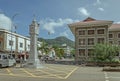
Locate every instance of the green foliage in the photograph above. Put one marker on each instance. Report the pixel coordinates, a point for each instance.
(44, 48)
(56, 44)
(105, 52)
(58, 41)
(72, 53)
(59, 51)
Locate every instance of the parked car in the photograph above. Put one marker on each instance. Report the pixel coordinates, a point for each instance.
(7, 60)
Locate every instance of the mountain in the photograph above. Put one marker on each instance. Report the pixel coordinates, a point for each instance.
(58, 41)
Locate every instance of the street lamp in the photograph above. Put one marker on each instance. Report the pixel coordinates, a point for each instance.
(12, 25)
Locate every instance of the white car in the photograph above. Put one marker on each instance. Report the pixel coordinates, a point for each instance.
(7, 60)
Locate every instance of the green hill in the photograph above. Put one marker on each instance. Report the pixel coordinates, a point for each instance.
(58, 41)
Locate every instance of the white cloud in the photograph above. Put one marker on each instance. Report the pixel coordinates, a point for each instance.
(5, 22)
(101, 9)
(65, 33)
(98, 2)
(50, 24)
(117, 22)
(83, 11)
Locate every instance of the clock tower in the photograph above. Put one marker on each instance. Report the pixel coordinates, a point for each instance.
(33, 61)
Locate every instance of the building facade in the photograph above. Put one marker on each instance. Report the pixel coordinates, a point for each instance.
(114, 34)
(90, 32)
(10, 42)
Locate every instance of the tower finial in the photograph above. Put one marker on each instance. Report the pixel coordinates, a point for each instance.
(34, 17)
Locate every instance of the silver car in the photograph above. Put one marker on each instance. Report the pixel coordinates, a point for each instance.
(7, 60)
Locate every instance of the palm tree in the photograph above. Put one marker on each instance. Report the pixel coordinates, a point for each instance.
(44, 47)
(59, 51)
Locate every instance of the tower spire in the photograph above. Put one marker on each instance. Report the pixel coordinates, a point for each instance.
(34, 17)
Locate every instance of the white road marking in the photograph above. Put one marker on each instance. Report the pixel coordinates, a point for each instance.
(106, 76)
(106, 80)
(114, 77)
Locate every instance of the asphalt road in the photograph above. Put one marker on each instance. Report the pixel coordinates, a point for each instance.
(55, 72)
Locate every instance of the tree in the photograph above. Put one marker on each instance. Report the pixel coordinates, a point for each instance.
(72, 52)
(44, 47)
(59, 51)
(104, 52)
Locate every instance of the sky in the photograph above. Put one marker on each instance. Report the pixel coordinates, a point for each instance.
(54, 15)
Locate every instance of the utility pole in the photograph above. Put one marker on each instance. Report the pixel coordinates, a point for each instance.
(12, 25)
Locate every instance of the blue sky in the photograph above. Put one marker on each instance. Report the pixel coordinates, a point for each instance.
(54, 15)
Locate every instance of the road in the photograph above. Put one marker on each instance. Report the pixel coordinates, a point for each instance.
(56, 72)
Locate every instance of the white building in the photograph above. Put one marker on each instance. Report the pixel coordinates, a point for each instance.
(17, 43)
(12, 42)
(67, 49)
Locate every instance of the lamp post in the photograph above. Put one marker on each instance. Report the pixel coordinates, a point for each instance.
(12, 25)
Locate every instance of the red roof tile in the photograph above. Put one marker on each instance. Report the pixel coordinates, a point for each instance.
(89, 19)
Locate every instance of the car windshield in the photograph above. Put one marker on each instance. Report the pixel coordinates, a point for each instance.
(10, 57)
(4, 57)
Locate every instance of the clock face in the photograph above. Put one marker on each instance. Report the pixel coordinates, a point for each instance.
(34, 30)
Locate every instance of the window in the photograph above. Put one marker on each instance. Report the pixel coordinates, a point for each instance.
(10, 43)
(4, 57)
(81, 41)
(90, 41)
(91, 32)
(21, 45)
(82, 52)
(90, 52)
(110, 35)
(100, 31)
(101, 40)
(82, 32)
(28, 46)
(119, 35)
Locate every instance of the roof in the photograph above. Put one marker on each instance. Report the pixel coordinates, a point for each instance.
(21, 36)
(89, 19)
(88, 22)
(114, 27)
(14, 34)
